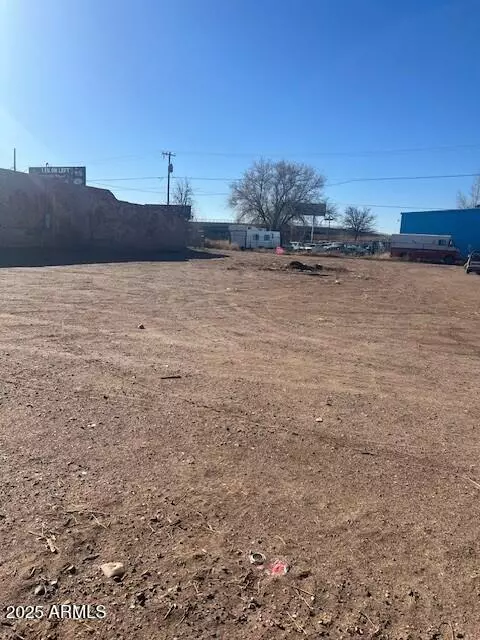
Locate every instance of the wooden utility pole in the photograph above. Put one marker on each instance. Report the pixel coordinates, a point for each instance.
(169, 155)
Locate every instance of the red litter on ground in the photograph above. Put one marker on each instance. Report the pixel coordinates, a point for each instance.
(279, 251)
(278, 568)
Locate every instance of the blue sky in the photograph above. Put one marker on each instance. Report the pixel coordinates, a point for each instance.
(357, 88)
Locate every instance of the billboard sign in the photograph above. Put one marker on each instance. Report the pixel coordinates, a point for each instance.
(70, 175)
(311, 209)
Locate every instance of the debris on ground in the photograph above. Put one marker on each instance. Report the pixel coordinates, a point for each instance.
(297, 265)
(70, 568)
(278, 568)
(113, 569)
(257, 558)
(50, 542)
(325, 619)
(141, 326)
(301, 266)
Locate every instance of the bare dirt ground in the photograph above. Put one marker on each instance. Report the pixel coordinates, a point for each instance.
(328, 421)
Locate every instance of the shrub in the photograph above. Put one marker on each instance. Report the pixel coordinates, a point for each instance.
(223, 245)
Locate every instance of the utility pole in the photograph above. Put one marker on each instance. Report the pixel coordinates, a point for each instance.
(329, 218)
(14, 159)
(169, 155)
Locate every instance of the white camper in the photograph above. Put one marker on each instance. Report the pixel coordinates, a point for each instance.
(254, 238)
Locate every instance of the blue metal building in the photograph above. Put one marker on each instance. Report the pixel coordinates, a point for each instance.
(462, 224)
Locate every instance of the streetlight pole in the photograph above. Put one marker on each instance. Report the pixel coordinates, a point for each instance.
(329, 219)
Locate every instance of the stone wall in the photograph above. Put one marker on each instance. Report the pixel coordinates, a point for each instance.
(38, 212)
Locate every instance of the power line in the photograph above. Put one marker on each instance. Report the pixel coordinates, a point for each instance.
(117, 188)
(388, 206)
(305, 154)
(333, 153)
(113, 186)
(160, 178)
(356, 204)
(226, 193)
(433, 177)
(327, 184)
(112, 159)
(122, 179)
(196, 178)
(219, 193)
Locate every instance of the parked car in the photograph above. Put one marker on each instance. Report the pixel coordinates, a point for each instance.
(298, 246)
(294, 246)
(473, 263)
(333, 246)
(319, 247)
(354, 249)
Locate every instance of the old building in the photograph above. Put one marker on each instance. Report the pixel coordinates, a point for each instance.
(462, 224)
(39, 213)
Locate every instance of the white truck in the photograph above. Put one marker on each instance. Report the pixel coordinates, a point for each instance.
(254, 238)
(424, 247)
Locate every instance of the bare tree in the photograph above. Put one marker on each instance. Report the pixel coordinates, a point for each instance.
(331, 212)
(183, 193)
(472, 200)
(359, 221)
(270, 193)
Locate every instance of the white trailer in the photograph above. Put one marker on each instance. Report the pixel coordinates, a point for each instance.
(254, 238)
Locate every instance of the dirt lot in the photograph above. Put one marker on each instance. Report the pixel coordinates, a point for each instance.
(328, 421)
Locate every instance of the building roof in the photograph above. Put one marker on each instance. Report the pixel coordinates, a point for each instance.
(475, 210)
